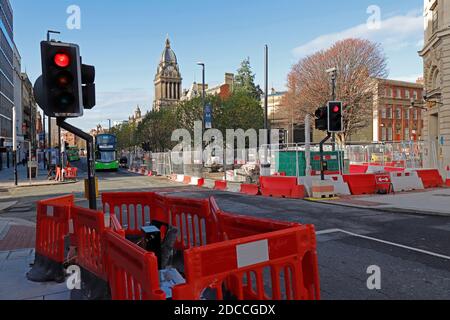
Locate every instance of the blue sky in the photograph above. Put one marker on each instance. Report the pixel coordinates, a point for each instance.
(124, 39)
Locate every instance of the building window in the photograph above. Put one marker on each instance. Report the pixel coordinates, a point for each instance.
(407, 94)
(389, 134)
(383, 113)
(406, 114)
(415, 94)
(399, 93)
(388, 112)
(383, 134)
(398, 113)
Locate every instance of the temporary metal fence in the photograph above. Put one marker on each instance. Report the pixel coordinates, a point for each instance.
(407, 154)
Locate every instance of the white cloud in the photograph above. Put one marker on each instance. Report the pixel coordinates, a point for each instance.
(395, 33)
(114, 105)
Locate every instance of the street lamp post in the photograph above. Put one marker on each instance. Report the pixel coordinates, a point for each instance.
(203, 90)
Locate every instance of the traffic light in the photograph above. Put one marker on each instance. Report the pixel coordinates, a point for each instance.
(321, 119)
(58, 91)
(66, 86)
(335, 119)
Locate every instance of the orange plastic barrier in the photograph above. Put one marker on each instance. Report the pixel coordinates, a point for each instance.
(230, 253)
(250, 189)
(431, 178)
(257, 248)
(71, 173)
(284, 187)
(360, 184)
(132, 209)
(89, 227)
(132, 272)
(52, 229)
(53, 226)
(196, 223)
(220, 185)
(358, 169)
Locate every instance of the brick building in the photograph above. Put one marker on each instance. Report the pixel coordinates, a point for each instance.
(396, 115)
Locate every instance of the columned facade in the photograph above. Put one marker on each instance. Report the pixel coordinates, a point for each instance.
(436, 56)
(168, 80)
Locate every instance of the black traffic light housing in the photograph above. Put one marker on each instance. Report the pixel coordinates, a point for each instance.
(335, 118)
(66, 86)
(321, 119)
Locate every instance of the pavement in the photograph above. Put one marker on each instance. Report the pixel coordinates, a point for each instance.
(411, 250)
(429, 202)
(7, 179)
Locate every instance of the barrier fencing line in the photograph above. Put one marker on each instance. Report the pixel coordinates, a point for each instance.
(251, 250)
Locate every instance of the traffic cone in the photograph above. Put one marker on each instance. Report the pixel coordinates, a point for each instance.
(447, 181)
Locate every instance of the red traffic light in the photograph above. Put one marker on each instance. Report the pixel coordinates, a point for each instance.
(336, 109)
(62, 60)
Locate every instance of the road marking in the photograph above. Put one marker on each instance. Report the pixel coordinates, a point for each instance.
(437, 255)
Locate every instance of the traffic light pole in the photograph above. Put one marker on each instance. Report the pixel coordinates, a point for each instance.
(322, 171)
(90, 156)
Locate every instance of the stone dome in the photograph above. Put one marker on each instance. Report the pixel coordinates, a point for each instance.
(168, 56)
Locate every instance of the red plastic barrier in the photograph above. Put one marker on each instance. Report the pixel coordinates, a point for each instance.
(220, 185)
(133, 209)
(132, 272)
(383, 183)
(250, 189)
(358, 169)
(196, 223)
(287, 255)
(89, 228)
(360, 184)
(431, 178)
(71, 173)
(283, 187)
(52, 227)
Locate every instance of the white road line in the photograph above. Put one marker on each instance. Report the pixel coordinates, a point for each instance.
(325, 232)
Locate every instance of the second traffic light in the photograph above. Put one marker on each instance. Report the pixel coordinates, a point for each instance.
(335, 118)
(322, 119)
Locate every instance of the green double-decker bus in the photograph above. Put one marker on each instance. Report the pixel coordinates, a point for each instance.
(73, 154)
(106, 153)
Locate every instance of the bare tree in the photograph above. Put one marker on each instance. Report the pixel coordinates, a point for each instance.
(358, 62)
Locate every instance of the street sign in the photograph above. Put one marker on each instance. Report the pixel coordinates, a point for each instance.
(208, 116)
(383, 179)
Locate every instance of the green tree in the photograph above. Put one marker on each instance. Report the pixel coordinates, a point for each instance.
(245, 81)
(126, 135)
(155, 130)
(241, 111)
(188, 112)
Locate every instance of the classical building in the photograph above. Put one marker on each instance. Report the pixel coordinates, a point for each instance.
(436, 57)
(168, 81)
(396, 113)
(222, 90)
(136, 118)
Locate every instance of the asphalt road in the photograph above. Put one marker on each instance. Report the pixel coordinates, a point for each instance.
(412, 251)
